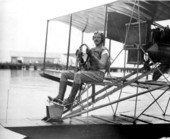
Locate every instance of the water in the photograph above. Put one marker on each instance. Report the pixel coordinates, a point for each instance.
(23, 94)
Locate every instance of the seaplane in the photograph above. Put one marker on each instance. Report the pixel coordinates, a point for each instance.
(137, 101)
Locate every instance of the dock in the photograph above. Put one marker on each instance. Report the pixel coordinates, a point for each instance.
(99, 127)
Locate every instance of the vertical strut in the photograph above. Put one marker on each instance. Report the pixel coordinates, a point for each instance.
(138, 50)
(166, 106)
(105, 23)
(69, 39)
(45, 51)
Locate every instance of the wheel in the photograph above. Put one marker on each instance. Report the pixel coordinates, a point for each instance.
(82, 56)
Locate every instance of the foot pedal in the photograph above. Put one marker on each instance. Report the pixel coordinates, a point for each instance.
(54, 112)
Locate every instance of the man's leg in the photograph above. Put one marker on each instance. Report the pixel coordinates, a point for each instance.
(82, 76)
(69, 101)
(92, 76)
(63, 85)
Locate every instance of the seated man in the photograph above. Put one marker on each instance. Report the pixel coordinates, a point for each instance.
(94, 71)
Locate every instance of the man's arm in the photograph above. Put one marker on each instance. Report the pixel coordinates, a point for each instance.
(101, 62)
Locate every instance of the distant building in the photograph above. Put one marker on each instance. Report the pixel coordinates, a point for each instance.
(38, 58)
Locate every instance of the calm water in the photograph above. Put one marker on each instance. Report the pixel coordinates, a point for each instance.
(23, 94)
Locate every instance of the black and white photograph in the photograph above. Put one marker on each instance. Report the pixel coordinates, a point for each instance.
(84, 69)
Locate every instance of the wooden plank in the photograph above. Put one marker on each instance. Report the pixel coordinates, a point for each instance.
(106, 120)
(136, 119)
(158, 118)
(86, 120)
(155, 83)
(54, 78)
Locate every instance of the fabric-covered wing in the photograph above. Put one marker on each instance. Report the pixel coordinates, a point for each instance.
(119, 13)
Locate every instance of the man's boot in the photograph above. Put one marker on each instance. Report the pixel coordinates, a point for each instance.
(61, 93)
(69, 101)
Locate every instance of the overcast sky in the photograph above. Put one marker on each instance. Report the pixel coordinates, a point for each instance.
(23, 22)
(23, 25)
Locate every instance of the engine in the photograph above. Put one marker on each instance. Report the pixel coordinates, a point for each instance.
(159, 50)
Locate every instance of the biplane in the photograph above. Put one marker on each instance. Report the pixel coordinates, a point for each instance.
(137, 105)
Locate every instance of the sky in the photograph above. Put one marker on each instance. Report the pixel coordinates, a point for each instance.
(23, 24)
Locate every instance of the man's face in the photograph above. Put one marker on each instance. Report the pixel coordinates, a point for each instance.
(97, 39)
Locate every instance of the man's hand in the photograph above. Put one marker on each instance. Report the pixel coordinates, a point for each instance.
(89, 52)
(79, 53)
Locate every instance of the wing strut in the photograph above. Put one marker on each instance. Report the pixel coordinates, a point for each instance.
(69, 40)
(113, 102)
(151, 104)
(101, 91)
(119, 87)
(45, 51)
